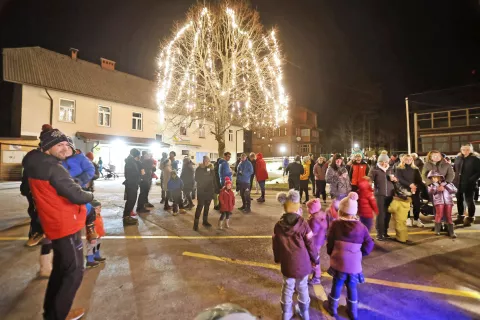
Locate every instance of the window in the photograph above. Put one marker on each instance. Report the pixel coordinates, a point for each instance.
(259, 135)
(297, 132)
(201, 131)
(474, 116)
(314, 133)
(230, 135)
(458, 118)
(304, 148)
(213, 156)
(285, 132)
(159, 137)
(440, 120)
(424, 121)
(104, 116)
(67, 110)
(305, 132)
(137, 121)
(183, 130)
(441, 143)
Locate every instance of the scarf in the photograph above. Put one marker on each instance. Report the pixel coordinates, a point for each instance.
(383, 169)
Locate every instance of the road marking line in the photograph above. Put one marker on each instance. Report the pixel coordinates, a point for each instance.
(400, 285)
(214, 237)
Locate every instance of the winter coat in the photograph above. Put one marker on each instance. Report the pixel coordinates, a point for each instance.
(442, 197)
(348, 241)
(175, 185)
(166, 173)
(225, 171)
(59, 200)
(254, 165)
(80, 168)
(293, 246)
(442, 167)
(285, 162)
(261, 168)
(147, 165)
(319, 225)
(320, 170)
(381, 181)
(306, 171)
(419, 164)
(227, 200)
(132, 171)
(99, 225)
(332, 215)
(367, 205)
(294, 171)
(356, 171)
(407, 175)
(312, 164)
(467, 171)
(339, 184)
(216, 181)
(188, 176)
(244, 172)
(205, 178)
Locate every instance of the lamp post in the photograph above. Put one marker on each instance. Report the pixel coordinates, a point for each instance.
(236, 143)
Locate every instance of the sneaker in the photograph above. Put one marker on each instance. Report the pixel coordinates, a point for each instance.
(34, 239)
(130, 221)
(206, 224)
(100, 259)
(241, 208)
(314, 281)
(409, 222)
(380, 238)
(75, 314)
(133, 214)
(261, 200)
(92, 264)
(246, 210)
(418, 223)
(386, 236)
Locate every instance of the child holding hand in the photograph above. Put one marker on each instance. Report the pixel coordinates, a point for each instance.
(318, 224)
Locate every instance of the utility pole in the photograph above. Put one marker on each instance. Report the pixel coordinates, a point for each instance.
(407, 111)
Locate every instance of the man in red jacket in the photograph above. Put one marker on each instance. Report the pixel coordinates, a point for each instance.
(261, 175)
(357, 170)
(60, 203)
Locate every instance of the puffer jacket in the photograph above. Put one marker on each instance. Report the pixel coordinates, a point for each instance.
(227, 200)
(319, 225)
(244, 171)
(59, 200)
(80, 168)
(467, 171)
(442, 197)
(357, 171)
(367, 205)
(347, 242)
(407, 175)
(293, 246)
(381, 181)
(261, 168)
(306, 171)
(295, 170)
(339, 183)
(320, 170)
(188, 176)
(225, 171)
(441, 167)
(132, 172)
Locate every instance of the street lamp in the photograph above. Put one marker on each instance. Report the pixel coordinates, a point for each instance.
(283, 149)
(355, 145)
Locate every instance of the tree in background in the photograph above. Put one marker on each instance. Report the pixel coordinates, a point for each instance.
(221, 68)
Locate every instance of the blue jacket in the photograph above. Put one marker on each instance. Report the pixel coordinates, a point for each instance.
(244, 171)
(285, 162)
(175, 184)
(80, 168)
(224, 171)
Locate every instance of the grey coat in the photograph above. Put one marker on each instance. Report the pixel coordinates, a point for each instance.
(338, 184)
(442, 167)
(381, 181)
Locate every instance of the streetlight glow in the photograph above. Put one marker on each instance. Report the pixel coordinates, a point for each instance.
(283, 149)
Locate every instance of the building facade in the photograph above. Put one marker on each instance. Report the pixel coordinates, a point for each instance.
(299, 135)
(104, 110)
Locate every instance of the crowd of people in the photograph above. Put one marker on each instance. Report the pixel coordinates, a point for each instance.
(59, 177)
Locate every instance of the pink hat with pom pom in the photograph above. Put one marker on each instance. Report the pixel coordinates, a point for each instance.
(314, 206)
(349, 205)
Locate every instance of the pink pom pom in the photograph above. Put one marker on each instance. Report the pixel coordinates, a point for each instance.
(353, 196)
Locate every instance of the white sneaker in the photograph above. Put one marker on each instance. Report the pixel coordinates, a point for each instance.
(409, 222)
(418, 223)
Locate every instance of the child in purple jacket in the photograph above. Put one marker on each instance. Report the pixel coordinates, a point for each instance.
(294, 249)
(348, 240)
(440, 193)
(318, 223)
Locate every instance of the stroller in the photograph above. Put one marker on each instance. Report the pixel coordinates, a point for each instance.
(110, 172)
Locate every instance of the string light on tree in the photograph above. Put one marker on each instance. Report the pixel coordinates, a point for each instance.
(222, 68)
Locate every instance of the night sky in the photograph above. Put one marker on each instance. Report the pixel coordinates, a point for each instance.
(342, 54)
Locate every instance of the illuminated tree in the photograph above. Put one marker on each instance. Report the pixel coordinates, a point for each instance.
(221, 68)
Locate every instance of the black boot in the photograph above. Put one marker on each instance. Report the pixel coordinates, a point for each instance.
(332, 306)
(451, 231)
(459, 220)
(195, 224)
(468, 221)
(352, 309)
(437, 227)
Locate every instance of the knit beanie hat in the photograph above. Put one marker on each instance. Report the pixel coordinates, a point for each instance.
(51, 137)
(290, 200)
(383, 158)
(89, 155)
(228, 181)
(135, 153)
(95, 203)
(349, 205)
(314, 206)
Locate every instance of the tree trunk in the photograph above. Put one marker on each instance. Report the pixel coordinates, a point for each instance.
(221, 145)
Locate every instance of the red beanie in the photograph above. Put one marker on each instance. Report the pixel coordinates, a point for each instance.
(228, 181)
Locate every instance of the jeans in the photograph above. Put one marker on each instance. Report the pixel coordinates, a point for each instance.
(321, 189)
(225, 215)
(145, 186)
(383, 218)
(290, 285)
(131, 192)
(312, 179)
(262, 187)
(245, 194)
(66, 277)
(337, 286)
(367, 222)
(304, 188)
(416, 205)
(443, 211)
(205, 206)
(467, 194)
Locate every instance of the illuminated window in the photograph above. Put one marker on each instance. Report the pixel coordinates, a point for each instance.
(67, 111)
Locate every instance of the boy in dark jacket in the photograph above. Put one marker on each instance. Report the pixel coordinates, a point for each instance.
(294, 249)
(227, 203)
(175, 187)
(294, 171)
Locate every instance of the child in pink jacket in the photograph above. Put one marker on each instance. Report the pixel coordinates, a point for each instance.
(318, 223)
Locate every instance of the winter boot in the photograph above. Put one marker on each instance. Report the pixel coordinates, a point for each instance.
(227, 225)
(45, 265)
(302, 310)
(287, 312)
(459, 220)
(91, 263)
(438, 227)
(352, 309)
(220, 224)
(97, 257)
(195, 225)
(332, 306)
(261, 200)
(468, 222)
(451, 231)
(129, 221)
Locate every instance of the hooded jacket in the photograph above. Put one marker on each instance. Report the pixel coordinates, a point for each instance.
(320, 170)
(59, 200)
(442, 197)
(132, 171)
(442, 167)
(261, 168)
(175, 186)
(244, 172)
(467, 171)
(205, 176)
(293, 246)
(188, 175)
(80, 168)
(227, 200)
(367, 205)
(319, 225)
(167, 169)
(306, 171)
(148, 166)
(339, 184)
(225, 171)
(356, 171)
(407, 175)
(348, 241)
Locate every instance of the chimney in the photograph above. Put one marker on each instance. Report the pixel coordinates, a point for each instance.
(73, 53)
(107, 64)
